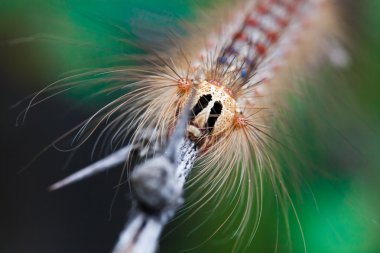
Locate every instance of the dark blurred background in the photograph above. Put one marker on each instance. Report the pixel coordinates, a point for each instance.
(339, 207)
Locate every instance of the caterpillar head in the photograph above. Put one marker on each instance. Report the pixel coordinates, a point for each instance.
(213, 112)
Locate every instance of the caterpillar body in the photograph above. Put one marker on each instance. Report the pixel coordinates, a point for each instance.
(234, 75)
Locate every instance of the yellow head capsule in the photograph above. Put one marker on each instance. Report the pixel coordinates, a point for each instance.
(213, 111)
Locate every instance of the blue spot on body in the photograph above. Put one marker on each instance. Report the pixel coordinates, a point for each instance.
(244, 73)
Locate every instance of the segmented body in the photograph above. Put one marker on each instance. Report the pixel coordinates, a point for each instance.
(259, 38)
(262, 28)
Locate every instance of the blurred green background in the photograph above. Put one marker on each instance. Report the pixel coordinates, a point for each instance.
(338, 204)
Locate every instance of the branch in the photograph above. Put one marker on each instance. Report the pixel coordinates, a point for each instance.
(158, 187)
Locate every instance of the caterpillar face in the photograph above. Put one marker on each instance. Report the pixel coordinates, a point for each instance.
(213, 111)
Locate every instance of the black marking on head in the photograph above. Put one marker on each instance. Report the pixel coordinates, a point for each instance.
(216, 110)
(201, 104)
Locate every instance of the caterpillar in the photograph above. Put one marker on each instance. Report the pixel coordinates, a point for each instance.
(234, 75)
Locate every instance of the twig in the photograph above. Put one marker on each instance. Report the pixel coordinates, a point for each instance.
(158, 187)
(104, 164)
